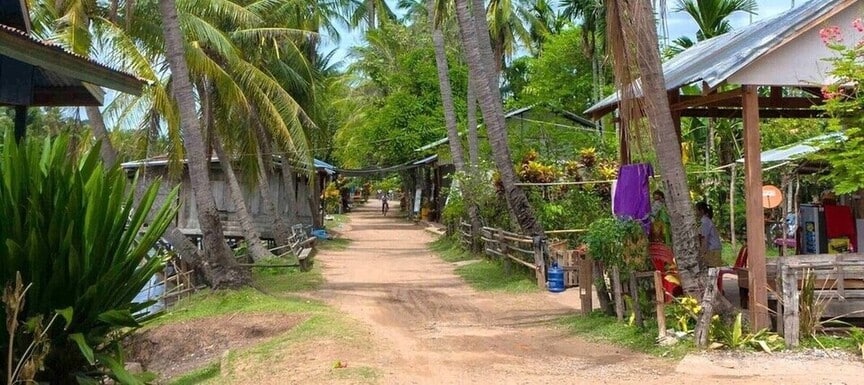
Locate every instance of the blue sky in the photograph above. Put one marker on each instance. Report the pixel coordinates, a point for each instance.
(680, 24)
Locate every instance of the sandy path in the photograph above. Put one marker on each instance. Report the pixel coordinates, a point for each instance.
(429, 327)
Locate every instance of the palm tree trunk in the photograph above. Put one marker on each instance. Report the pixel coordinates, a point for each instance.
(289, 179)
(471, 117)
(281, 229)
(97, 125)
(473, 163)
(247, 224)
(226, 272)
(446, 90)
(643, 36)
(479, 58)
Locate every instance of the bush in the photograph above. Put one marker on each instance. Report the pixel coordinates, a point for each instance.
(71, 230)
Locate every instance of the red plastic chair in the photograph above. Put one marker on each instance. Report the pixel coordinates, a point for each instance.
(740, 263)
(664, 261)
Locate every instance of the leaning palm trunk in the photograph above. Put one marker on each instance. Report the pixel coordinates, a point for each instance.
(247, 225)
(480, 62)
(97, 125)
(280, 228)
(446, 90)
(185, 249)
(225, 271)
(473, 164)
(641, 35)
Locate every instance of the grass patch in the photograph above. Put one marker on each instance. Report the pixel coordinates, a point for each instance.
(602, 328)
(337, 221)
(322, 323)
(450, 249)
(490, 276)
(199, 376)
(336, 244)
(364, 374)
(827, 341)
(288, 279)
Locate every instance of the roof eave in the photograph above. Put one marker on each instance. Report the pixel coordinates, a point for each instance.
(22, 48)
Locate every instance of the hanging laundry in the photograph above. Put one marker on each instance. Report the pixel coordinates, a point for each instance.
(631, 193)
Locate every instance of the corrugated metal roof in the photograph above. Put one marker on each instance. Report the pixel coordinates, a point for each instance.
(799, 150)
(714, 60)
(22, 35)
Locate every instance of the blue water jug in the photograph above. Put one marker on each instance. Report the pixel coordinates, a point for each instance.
(555, 277)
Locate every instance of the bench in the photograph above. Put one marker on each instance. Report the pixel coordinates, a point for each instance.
(301, 246)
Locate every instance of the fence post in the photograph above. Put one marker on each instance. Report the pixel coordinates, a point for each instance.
(502, 249)
(791, 320)
(616, 292)
(660, 297)
(634, 294)
(539, 242)
(586, 279)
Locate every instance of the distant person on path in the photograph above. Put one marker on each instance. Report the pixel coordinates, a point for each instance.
(709, 240)
(384, 205)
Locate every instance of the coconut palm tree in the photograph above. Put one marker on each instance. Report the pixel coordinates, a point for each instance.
(481, 61)
(712, 16)
(435, 21)
(507, 30)
(199, 167)
(636, 55)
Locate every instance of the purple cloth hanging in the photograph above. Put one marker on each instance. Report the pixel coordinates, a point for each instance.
(632, 199)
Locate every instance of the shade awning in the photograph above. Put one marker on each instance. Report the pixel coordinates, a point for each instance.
(800, 150)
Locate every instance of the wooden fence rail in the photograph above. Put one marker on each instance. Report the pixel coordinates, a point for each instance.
(838, 284)
(537, 255)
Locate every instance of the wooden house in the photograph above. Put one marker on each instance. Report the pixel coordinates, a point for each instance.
(187, 217)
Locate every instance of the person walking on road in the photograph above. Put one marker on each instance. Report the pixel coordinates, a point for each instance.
(385, 206)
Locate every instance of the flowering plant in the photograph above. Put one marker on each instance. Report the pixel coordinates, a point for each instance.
(843, 103)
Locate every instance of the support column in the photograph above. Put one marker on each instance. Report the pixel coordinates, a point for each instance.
(755, 215)
(20, 122)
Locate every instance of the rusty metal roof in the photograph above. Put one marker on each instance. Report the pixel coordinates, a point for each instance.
(65, 65)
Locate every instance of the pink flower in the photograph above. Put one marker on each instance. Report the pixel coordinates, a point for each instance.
(831, 34)
(859, 26)
(827, 93)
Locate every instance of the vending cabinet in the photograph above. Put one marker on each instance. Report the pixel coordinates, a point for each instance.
(813, 239)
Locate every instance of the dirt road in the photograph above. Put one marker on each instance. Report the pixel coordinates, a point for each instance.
(428, 327)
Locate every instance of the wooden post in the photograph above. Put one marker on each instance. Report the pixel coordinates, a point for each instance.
(791, 321)
(634, 294)
(755, 215)
(660, 297)
(502, 248)
(539, 243)
(616, 292)
(20, 123)
(702, 324)
(586, 279)
(732, 206)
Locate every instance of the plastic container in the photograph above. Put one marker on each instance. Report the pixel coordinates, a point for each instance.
(555, 278)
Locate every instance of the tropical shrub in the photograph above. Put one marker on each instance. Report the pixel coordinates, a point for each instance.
(73, 232)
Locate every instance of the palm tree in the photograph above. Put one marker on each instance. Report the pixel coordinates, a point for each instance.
(635, 48)
(478, 53)
(591, 15)
(225, 270)
(370, 13)
(712, 16)
(507, 30)
(435, 21)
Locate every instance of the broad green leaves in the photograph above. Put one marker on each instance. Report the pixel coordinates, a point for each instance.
(76, 234)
